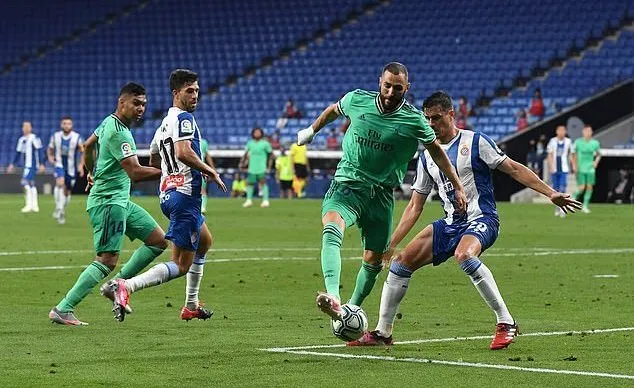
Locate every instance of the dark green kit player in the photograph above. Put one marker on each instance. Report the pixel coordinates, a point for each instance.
(258, 153)
(112, 215)
(586, 154)
(383, 137)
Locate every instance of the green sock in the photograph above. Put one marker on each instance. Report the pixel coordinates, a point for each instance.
(365, 282)
(265, 192)
(576, 195)
(140, 259)
(91, 276)
(586, 197)
(249, 192)
(332, 238)
(203, 206)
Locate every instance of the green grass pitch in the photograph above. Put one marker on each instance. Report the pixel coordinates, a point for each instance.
(261, 282)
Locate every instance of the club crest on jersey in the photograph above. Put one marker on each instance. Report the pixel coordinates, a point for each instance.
(187, 127)
(126, 149)
(464, 150)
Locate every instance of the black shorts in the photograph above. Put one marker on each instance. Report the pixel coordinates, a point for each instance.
(301, 171)
(286, 185)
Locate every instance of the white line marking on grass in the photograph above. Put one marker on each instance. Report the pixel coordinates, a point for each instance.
(262, 249)
(52, 267)
(462, 363)
(454, 339)
(606, 276)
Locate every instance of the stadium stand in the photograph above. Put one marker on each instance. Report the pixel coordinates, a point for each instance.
(252, 56)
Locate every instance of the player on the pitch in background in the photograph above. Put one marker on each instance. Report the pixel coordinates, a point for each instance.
(559, 149)
(112, 215)
(176, 148)
(63, 149)
(204, 151)
(586, 154)
(258, 153)
(382, 139)
(29, 145)
(462, 235)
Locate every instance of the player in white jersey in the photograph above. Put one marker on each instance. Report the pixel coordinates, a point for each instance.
(64, 153)
(559, 151)
(29, 146)
(176, 149)
(462, 235)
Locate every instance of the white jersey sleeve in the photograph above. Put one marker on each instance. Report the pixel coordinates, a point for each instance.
(154, 147)
(423, 183)
(490, 153)
(37, 143)
(51, 142)
(21, 147)
(184, 128)
(551, 148)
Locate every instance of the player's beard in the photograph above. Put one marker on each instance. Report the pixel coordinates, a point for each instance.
(392, 105)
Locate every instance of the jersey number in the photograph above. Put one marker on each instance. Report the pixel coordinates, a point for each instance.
(478, 227)
(168, 155)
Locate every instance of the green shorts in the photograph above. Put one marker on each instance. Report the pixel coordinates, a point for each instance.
(252, 179)
(111, 222)
(586, 178)
(371, 210)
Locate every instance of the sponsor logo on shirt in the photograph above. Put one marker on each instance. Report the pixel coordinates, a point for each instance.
(373, 141)
(172, 181)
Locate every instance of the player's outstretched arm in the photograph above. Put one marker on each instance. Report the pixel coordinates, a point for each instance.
(439, 156)
(411, 214)
(326, 117)
(186, 154)
(88, 157)
(138, 173)
(527, 177)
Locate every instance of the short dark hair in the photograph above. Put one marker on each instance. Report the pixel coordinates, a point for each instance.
(182, 77)
(395, 68)
(66, 118)
(132, 88)
(257, 129)
(439, 98)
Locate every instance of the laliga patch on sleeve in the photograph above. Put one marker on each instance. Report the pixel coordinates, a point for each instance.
(187, 127)
(126, 150)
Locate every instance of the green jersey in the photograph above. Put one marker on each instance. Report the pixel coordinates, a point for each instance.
(258, 151)
(378, 146)
(112, 184)
(586, 152)
(204, 147)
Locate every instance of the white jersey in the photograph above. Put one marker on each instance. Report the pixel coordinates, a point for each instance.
(474, 155)
(561, 150)
(30, 146)
(65, 149)
(177, 126)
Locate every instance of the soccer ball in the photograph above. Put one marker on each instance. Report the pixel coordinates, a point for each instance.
(353, 324)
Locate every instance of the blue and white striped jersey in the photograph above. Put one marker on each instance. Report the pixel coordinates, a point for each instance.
(30, 146)
(473, 154)
(65, 149)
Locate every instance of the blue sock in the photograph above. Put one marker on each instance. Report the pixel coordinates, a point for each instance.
(470, 265)
(400, 269)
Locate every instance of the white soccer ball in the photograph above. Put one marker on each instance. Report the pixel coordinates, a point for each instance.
(352, 325)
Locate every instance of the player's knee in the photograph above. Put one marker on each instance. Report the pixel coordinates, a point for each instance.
(108, 259)
(462, 255)
(372, 258)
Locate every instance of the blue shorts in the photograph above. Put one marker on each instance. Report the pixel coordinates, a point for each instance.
(185, 218)
(560, 181)
(447, 237)
(28, 176)
(69, 180)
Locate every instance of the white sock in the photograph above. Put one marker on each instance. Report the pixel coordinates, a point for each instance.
(483, 280)
(58, 194)
(154, 276)
(394, 290)
(33, 192)
(27, 197)
(194, 276)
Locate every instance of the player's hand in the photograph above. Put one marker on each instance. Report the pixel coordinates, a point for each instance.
(214, 176)
(460, 200)
(89, 181)
(10, 168)
(41, 168)
(387, 256)
(565, 202)
(305, 136)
